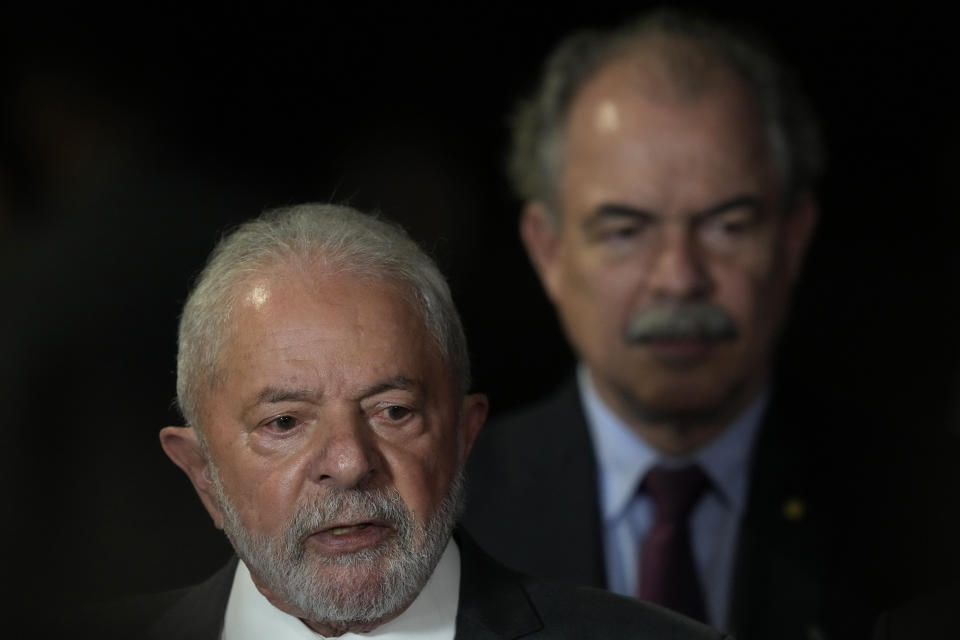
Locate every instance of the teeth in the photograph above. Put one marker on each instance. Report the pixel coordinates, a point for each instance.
(339, 531)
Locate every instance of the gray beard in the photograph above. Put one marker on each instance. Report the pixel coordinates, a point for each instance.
(350, 589)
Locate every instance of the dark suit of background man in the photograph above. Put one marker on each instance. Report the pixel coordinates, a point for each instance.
(669, 170)
(322, 371)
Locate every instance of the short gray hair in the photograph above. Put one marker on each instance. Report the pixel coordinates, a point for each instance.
(539, 121)
(340, 238)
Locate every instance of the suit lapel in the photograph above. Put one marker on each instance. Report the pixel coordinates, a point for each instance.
(571, 504)
(493, 603)
(779, 573)
(198, 615)
(532, 485)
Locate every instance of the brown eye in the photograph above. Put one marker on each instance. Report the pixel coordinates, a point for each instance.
(396, 412)
(284, 423)
(621, 232)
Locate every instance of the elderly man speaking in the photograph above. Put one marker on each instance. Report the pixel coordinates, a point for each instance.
(323, 375)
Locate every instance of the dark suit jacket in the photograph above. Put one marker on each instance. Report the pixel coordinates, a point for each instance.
(495, 603)
(933, 616)
(803, 572)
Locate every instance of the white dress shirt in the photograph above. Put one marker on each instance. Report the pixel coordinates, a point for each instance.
(623, 459)
(431, 616)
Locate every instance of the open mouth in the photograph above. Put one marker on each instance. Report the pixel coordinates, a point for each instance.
(349, 537)
(350, 528)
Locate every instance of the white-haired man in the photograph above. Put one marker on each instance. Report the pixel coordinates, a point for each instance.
(323, 375)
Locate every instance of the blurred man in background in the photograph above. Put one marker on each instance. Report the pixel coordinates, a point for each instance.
(669, 170)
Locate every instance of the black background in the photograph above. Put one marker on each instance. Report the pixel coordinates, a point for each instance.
(131, 138)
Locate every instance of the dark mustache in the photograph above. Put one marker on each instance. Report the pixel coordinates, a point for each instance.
(681, 321)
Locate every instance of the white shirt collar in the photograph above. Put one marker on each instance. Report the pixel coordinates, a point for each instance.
(624, 457)
(431, 616)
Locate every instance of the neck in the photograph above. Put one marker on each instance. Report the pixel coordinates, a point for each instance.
(677, 431)
(676, 441)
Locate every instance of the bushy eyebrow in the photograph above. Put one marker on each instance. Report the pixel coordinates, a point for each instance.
(392, 383)
(613, 211)
(740, 202)
(275, 395)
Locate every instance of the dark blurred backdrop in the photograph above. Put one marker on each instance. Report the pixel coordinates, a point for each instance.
(130, 139)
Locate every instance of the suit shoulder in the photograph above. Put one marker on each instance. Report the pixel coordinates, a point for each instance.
(521, 452)
(531, 417)
(524, 429)
(586, 612)
(124, 617)
(188, 613)
(931, 616)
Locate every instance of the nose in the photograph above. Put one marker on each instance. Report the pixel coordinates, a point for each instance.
(678, 270)
(343, 454)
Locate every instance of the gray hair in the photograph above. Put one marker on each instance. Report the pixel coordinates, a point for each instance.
(340, 238)
(538, 122)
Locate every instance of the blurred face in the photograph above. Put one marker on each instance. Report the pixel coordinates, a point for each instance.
(672, 260)
(334, 447)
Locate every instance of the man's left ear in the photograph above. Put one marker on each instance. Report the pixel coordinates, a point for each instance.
(473, 415)
(799, 226)
(182, 445)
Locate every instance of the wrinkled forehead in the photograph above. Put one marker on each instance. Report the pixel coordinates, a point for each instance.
(273, 288)
(323, 290)
(275, 291)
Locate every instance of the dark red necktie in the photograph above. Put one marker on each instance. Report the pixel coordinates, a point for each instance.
(668, 572)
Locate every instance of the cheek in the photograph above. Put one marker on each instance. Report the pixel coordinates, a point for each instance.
(265, 498)
(422, 474)
(751, 291)
(601, 293)
(740, 290)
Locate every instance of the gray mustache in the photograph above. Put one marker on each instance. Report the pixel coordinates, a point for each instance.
(681, 321)
(351, 505)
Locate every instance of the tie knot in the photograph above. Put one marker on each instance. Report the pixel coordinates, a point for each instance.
(675, 491)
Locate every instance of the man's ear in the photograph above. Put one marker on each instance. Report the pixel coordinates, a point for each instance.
(473, 415)
(799, 227)
(541, 236)
(182, 445)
